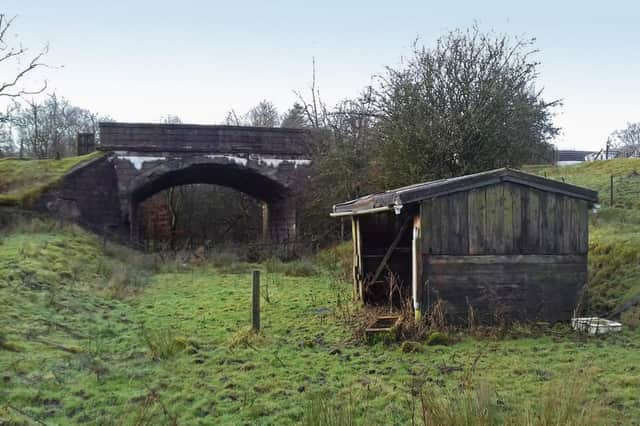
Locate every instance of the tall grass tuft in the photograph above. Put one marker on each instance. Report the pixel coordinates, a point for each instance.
(320, 411)
(473, 407)
(468, 404)
(566, 404)
(163, 343)
(338, 261)
(294, 268)
(245, 338)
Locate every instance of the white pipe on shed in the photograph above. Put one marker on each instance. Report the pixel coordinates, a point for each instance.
(359, 212)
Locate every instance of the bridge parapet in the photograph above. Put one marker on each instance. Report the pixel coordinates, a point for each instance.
(143, 137)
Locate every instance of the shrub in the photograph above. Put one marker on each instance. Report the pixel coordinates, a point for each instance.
(409, 347)
(131, 257)
(235, 268)
(300, 268)
(437, 338)
(223, 258)
(124, 281)
(274, 265)
(338, 260)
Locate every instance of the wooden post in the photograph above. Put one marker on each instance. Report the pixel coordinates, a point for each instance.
(265, 222)
(255, 314)
(611, 190)
(416, 267)
(356, 258)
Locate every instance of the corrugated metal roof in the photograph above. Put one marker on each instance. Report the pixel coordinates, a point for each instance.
(422, 191)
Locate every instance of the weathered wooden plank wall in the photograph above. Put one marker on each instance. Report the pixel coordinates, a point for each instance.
(508, 248)
(524, 288)
(505, 219)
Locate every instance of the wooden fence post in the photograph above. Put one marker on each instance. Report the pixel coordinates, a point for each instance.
(611, 190)
(255, 314)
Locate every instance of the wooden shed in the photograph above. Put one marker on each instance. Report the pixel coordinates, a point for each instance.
(502, 242)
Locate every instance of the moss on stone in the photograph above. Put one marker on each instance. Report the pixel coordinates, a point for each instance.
(23, 181)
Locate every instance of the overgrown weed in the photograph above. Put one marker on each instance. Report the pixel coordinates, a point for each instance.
(467, 403)
(245, 338)
(338, 261)
(151, 408)
(293, 268)
(320, 410)
(163, 343)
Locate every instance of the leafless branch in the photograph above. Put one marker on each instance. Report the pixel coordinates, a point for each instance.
(12, 88)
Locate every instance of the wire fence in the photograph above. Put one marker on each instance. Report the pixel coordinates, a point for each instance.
(624, 191)
(10, 216)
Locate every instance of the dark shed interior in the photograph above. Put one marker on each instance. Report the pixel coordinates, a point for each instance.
(379, 232)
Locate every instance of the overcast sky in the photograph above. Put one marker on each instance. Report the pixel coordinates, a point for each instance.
(139, 60)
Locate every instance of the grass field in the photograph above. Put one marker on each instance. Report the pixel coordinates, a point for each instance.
(175, 349)
(93, 334)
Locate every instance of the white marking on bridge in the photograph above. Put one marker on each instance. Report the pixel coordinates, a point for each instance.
(276, 162)
(138, 161)
(240, 160)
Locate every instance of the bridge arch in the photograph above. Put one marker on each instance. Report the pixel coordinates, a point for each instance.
(279, 213)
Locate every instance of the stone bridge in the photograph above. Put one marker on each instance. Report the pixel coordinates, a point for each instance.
(270, 164)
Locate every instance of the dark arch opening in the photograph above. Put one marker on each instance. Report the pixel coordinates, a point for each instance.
(239, 178)
(277, 220)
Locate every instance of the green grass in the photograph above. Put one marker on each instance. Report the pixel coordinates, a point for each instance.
(179, 350)
(104, 335)
(22, 181)
(614, 234)
(596, 175)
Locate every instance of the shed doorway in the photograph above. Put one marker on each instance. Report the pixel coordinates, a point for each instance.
(385, 243)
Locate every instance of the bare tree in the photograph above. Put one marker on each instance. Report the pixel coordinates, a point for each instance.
(7, 147)
(49, 128)
(265, 114)
(627, 140)
(232, 118)
(170, 119)
(315, 110)
(16, 63)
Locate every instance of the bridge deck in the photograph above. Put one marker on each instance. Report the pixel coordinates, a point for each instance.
(146, 137)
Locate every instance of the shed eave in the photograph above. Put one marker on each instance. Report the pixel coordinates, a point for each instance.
(415, 193)
(361, 212)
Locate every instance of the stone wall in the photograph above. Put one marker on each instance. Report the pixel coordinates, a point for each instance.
(87, 195)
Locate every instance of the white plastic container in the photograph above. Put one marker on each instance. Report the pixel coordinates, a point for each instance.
(595, 325)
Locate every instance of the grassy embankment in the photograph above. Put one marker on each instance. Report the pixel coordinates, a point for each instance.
(21, 181)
